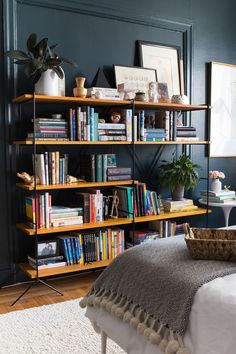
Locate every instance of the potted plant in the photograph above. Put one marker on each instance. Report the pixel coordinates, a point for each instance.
(180, 174)
(41, 65)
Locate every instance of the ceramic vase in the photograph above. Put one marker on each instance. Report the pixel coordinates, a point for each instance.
(216, 185)
(50, 84)
(80, 90)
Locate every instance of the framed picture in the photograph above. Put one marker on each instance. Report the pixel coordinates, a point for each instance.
(135, 78)
(165, 60)
(223, 111)
(48, 248)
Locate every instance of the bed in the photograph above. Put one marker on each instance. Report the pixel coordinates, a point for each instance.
(210, 324)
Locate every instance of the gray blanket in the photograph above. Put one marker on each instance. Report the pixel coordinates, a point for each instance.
(152, 287)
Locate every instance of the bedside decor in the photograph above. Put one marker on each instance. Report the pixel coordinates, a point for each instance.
(216, 184)
(180, 174)
(42, 66)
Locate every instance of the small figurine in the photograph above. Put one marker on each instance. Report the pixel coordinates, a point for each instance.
(27, 178)
(153, 92)
(114, 206)
(115, 117)
(72, 179)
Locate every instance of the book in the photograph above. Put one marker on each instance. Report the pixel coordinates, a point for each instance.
(223, 192)
(88, 167)
(119, 178)
(111, 171)
(75, 220)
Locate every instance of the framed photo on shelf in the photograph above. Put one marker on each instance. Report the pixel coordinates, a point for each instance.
(49, 248)
(223, 109)
(165, 60)
(136, 78)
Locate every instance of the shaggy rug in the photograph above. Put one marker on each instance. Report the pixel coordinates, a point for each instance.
(53, 329)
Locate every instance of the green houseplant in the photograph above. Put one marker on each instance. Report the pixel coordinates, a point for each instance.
(39, 59)
(179, 174)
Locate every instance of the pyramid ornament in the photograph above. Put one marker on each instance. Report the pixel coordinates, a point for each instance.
(100, 80)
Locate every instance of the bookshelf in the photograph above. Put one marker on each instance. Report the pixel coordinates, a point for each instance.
(121, 221)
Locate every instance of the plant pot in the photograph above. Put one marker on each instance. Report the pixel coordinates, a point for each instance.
(50, 84)
(216, 185)
(178, 193)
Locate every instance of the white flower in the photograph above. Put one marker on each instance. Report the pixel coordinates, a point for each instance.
(216, 174)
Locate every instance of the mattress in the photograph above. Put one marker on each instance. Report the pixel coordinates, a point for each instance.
(210, 330)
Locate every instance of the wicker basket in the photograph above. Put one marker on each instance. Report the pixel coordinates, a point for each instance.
(216, 244)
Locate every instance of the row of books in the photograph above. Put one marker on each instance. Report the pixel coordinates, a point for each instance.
(137, 200)
(102, 168)
(222, 197)
(82, 248)
(174, 128)
(51, 167)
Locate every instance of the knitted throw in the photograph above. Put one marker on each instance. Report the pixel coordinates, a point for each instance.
(152, 287)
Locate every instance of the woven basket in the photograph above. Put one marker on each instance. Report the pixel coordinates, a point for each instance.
(215, 244)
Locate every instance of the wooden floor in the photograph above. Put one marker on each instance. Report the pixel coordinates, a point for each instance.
(72, 287)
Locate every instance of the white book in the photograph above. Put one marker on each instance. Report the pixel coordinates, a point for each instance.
(110, 126)
(68, 222)
(46, 195)
(135, 128)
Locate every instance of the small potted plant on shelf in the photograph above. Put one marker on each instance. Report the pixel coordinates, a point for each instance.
(42, 66)
(179, 174)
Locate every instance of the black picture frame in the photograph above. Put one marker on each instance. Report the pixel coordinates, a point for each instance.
(48, 248)
(165, 59)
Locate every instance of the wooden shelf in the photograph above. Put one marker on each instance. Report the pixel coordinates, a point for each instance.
(51, 142)
(75, 185)
(55, 142)
(31, 272)
(109, 223)
(102, 102)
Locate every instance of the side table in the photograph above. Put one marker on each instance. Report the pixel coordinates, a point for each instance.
(226, 207)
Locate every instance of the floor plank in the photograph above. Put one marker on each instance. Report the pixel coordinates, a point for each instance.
(72, 287)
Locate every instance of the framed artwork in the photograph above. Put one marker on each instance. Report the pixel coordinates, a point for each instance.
(137, 79)
(223, 111)
(165, 60)
(48, 249)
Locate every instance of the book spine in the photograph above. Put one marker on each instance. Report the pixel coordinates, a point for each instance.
(142, 119)
(99, 177)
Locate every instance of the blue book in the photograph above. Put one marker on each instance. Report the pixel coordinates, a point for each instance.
(141, 122)
(69, 250)
(61, 170)
(91, 123)
(99, 169)
(96, 116)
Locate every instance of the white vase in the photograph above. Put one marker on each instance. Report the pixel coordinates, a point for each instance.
(216, 185)
(50, 84)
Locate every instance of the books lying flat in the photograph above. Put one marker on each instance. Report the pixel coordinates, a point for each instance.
(218, 194)
(119, 178)
(76, 220)
(216, 200)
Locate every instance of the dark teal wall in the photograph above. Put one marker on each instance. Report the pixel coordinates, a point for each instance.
(103, 33)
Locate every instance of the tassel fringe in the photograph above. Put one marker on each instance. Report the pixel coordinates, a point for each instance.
(151, 329)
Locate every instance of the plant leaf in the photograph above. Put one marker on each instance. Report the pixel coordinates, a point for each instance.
(68, 61)
(53, 62)
(58, 71)
(41, 48)
(17, 54)
(31, 42)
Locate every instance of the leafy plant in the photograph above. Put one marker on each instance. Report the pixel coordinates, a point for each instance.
(181, 172)
(39, 58)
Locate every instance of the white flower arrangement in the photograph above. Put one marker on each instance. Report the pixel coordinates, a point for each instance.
(216, 174)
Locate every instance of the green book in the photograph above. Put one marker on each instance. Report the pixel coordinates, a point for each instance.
(99, 171)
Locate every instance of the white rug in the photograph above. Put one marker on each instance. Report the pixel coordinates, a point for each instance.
(53, 329)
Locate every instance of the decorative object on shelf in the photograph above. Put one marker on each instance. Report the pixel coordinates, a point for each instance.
(100, 79)
(126, 90)
(163, 92)
(80, 90)
(153, 94)
(42, 66)
(180, 99)
(103, 93)
(114, 199)
(216, 184)
(71, 179)
(140, 96)
(165, 60)
(27, 178)
(180, 174)
(137, 78)
(115, 117)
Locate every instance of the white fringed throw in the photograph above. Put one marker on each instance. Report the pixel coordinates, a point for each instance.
(152, 287)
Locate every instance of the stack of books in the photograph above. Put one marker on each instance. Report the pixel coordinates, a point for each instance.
(154, 134)
(65, 216)
(141, 236)
(118, 173)
(103, 93)
(50, 129)
(49, 262)
(175, 206)
(112, 132)
(223, 196)
(186, 133)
